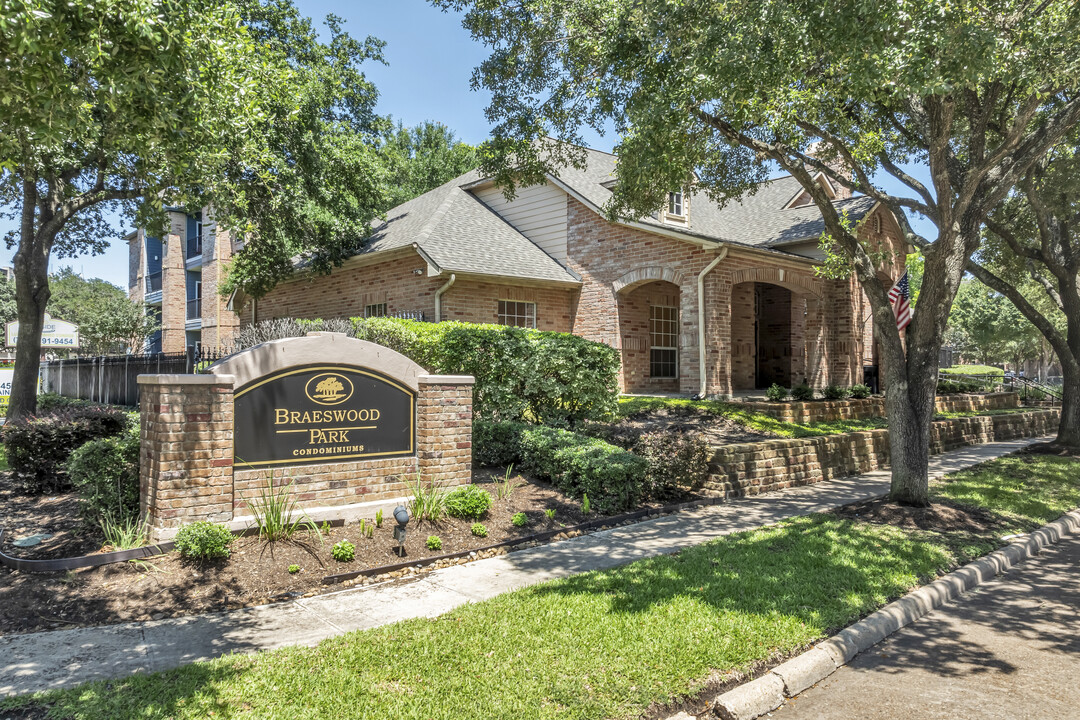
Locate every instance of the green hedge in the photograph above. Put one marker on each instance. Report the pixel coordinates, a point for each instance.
(105, 473)
(39, 447)
(545, 377)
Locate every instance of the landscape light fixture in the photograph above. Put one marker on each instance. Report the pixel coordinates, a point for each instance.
(401, 517)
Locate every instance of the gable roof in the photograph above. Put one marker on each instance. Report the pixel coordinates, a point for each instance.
(760, 219)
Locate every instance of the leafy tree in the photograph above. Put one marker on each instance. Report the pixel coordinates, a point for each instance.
(422, 158)
(712, 91)
(136, 102)
(109, 321)
(1032, 257)
(985, 324)
(321, 180)
(8, 308)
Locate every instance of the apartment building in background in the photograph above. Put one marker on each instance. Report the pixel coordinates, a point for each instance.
(177, 277)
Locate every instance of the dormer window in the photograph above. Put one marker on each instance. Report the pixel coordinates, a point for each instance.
(675, 204)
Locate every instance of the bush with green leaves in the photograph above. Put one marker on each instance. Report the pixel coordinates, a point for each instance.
(343, 551)
(577, 464)
(802, 393)
(496, 442)
(519, 519)
(293, 569)
(952, 387)
(105, 474)
(38, 448)
(469, 502)
(434, 542)
(51, 403)
(204, 540)
(835, 392)
(859, 392)
(479, 530)
(548, 377)
(776, 393)
(677, 462)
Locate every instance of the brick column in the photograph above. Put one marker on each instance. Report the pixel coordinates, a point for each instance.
(185, 462)
(444, 428)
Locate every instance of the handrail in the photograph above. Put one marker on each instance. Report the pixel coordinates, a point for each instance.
(1010, 382)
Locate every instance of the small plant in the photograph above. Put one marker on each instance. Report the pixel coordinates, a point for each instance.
(505, 488)
(479, 530)
(585, 504)
(776, 393)
(367, 529)
(204, 540)
(363, 527)
(343, 551)
(325, 527)
(276, 513)
(519, 520)
(434, 542)
(550, 513)
(378, 518)
(428, 503)
(802, 392)
(859, 392)
(835, 392)
(293, 569)
(123, 534)
(469, 502)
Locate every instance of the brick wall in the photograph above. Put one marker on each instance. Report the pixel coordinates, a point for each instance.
(750, 469)
(219, 323)
(859, 409)
(186, 461)
(174, 286)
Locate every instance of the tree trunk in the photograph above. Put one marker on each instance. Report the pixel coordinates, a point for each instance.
(32, 294)
(909, 405)
(1068, 434)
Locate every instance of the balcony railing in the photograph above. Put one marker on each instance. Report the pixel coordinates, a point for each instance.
(194, 309)
(153, 282)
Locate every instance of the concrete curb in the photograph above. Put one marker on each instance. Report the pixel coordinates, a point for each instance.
(771, 690)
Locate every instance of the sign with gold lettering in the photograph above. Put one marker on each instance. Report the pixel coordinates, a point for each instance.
(317, 414)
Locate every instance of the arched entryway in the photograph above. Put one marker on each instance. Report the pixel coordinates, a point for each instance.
(768, 327)
(649, 328)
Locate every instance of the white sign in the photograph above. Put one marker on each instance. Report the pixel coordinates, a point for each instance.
(55, 334)
(7, 375)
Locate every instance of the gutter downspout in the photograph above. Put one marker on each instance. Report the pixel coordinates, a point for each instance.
(701, 317)
(439, 294)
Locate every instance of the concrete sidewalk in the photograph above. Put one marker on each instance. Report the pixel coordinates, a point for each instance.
(1008, 649)
(62, 658)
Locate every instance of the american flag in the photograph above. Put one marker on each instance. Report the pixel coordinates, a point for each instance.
(900, 297)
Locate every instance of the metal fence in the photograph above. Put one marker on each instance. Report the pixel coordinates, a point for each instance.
(114, 378)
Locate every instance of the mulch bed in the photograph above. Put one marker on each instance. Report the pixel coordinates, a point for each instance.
(256, 573)
(942, 517)
(715, 429)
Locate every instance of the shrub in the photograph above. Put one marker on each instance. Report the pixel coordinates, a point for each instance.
(835, 392)
(496, 443)
(802, 392)
(776, 393)
(39, 447)
(277, 514)
(343, 551)
(576, 465)
(675, 462)
(51, 403)
(204, 540)
(105, 473)
(519, 520)
(548, 377)
(123, 534)
(479, 530)
(860, 392)
(428, 503)
(434, 542)
(949, 387)
(468, 502)
(293, 569)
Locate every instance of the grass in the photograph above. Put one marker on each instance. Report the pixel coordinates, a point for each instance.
(973, 370)
(654, 630)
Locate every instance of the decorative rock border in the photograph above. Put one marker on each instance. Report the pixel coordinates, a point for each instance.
(787, 680)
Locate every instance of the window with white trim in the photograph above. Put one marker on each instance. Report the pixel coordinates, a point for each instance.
(375, 310)
(675, 204)
(517, 314)
(663, 341)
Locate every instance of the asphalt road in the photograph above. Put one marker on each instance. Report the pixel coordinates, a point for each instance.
(1008, 650)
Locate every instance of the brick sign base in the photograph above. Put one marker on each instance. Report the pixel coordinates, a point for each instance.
(188, 470)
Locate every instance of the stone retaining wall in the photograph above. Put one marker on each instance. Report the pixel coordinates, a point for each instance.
(753, 468)
(832, 410)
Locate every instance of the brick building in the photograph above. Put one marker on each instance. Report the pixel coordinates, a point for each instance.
(698, 298)
(177, 276)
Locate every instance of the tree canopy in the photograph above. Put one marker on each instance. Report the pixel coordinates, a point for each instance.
(109, 322)
(422, 158)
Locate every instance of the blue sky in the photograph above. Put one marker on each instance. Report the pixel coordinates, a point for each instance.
(430, 62)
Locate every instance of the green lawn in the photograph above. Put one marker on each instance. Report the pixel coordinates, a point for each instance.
(606, 644)
(973, 370)
(749, 419)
